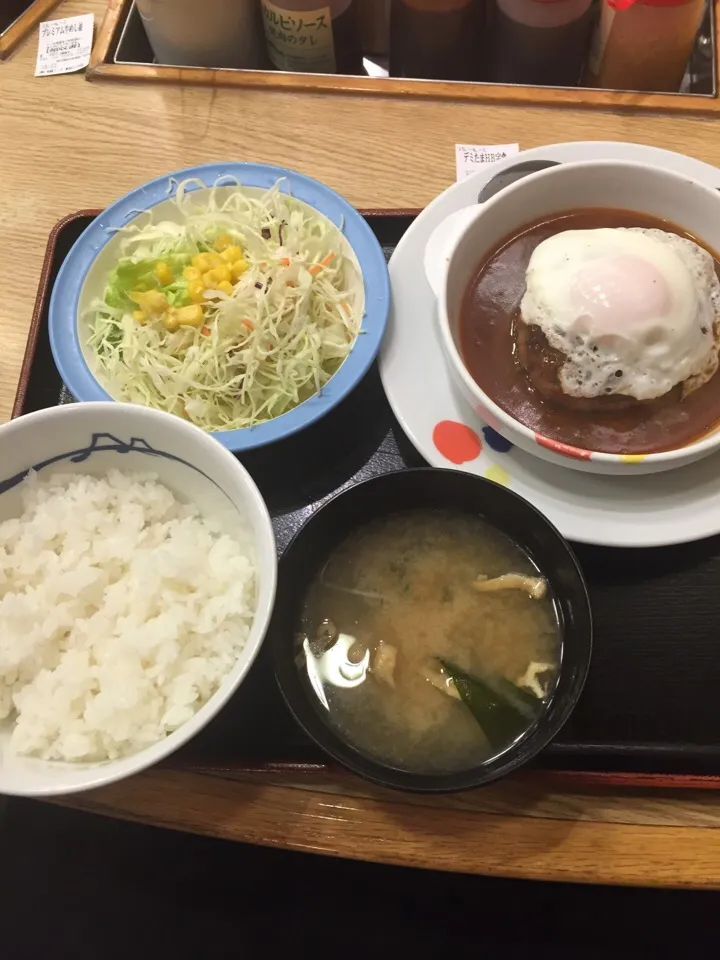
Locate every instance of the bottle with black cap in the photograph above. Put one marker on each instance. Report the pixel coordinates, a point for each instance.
(437, 39)
(539, 42)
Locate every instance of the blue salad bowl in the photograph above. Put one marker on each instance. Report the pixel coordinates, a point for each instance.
(92, 257)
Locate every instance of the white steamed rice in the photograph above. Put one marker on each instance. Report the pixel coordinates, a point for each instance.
(121, 610)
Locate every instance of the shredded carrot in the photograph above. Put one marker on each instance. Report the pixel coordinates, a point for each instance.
(205, 331)
(248, 323)
(317, 267)
(284, 262)
(345, 307)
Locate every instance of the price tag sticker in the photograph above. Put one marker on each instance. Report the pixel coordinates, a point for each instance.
(469, 158)
(64, 45)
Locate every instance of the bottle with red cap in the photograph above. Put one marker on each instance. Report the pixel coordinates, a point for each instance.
(539, 42)
(643, 44)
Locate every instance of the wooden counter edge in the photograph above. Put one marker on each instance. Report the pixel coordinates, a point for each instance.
(559, 97)
(398, 833)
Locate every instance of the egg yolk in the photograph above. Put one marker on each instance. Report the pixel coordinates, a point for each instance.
(614, 294)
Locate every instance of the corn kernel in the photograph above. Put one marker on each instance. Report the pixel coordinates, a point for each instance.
(215, 276)
(192, 273)
(238, 269)
(163, 273)
(151, 301)
(226, 287)
(171, 320)
(206, 261)
(231, 254)
(223, 241)
(140, 316)
(157, 301)
(191, 316)
(196, 289)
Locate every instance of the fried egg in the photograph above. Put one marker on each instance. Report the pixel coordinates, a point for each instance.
(634, 310)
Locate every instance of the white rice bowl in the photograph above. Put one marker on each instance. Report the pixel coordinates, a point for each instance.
(134, 595)
(121, 611)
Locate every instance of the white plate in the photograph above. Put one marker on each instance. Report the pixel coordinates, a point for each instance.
(642, 511)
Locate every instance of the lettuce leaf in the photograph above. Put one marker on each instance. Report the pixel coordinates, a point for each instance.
(131, 275)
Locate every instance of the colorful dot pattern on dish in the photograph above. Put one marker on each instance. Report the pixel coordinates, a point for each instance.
(497, 475)
(632, 457)
(496, 442)
(563, 448)
(457, 442)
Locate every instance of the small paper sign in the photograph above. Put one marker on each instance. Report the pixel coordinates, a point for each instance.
(64, 45)
(470, 158)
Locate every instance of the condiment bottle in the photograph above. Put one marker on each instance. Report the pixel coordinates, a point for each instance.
(643, 44)
(309, 36)
(539, 42)
(374, 26)
(214, 33)
(437, 39)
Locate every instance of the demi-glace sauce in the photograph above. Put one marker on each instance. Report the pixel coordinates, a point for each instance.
(490, 309)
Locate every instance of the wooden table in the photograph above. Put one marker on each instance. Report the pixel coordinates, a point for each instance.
(66, 144)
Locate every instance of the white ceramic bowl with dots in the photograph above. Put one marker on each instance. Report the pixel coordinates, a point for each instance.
(471, 233)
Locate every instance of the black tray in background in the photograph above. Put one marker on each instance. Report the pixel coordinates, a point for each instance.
(650, 705)
(10, 10)
(133, 48)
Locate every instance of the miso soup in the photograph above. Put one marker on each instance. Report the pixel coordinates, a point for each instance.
(431, 641)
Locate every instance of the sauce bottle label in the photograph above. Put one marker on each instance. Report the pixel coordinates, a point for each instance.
(299, 40)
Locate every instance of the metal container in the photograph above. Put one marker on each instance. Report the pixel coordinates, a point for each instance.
(214, 33)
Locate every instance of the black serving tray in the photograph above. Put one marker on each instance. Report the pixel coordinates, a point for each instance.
(650, 712)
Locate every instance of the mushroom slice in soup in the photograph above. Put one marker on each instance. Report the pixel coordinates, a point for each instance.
(384, 662)
(529, 680)
(535, 587)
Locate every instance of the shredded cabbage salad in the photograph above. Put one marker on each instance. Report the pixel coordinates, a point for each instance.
(232, 316)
